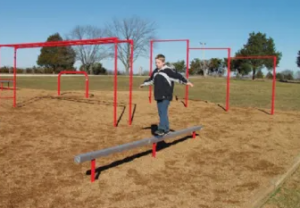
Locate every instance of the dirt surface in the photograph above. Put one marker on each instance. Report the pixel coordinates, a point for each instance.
(233, 157)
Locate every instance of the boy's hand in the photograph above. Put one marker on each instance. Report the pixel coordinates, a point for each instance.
(190, 84)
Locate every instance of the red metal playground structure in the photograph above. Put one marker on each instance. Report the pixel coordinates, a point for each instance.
(229, 58)
(116, 41)
(98, 41)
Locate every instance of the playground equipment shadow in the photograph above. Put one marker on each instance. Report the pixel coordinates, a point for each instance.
(160, 146)
(79, 100)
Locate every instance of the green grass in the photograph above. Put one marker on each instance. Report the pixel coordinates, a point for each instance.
(288, 196)
(244, 93)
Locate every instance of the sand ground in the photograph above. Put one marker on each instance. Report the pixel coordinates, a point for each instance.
(234, 156)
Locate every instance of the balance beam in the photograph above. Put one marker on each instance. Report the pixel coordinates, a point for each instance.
(91, 156)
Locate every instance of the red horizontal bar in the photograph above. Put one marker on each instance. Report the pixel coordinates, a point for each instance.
(209, 48)
(6, 88)
(169, 40)
(68, 43)
(7, 79)
(253, 57)
(63, 43)
(72, 72)
(125, 41)
(6, 97)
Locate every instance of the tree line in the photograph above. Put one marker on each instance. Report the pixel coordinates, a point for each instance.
(141, 31)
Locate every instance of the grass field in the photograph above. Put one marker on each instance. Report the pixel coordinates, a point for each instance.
(288, 196)
(236, 155)
(243, 93)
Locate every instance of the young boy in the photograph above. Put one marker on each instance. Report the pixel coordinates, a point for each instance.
(163, 79)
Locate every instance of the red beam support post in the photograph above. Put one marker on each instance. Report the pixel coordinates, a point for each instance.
(154, 149)
(194, 135)
(93, 170)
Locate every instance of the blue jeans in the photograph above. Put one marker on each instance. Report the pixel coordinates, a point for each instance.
(162, 106)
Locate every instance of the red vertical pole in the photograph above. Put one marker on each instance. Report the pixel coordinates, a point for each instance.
(58, 84)
(0, 71)
(0, 61)
(228, 79)
(130, 82)
(151, 64)
(115, 84)
(15, 77)
(274, 83)
(187, 72)
(93, 168)
(154, 150)
(86, 87)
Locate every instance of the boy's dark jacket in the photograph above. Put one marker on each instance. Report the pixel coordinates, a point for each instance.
(163, 81)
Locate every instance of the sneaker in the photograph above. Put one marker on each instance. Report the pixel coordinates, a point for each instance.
(159, 132)
(167, 132)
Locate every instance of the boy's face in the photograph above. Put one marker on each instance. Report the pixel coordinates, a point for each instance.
(159, 63)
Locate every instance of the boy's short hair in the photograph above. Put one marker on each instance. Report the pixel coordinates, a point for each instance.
(161, 57)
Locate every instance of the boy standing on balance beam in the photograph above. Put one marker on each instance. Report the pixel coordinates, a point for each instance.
(163, 78)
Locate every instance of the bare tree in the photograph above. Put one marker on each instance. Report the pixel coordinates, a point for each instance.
(88, 55)
(139, 30)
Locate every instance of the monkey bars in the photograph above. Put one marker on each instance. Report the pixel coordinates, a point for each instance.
(97, 41)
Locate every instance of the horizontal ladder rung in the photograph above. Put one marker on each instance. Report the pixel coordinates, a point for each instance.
(6, 97)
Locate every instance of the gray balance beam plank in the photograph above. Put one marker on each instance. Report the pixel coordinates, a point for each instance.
(105, 152)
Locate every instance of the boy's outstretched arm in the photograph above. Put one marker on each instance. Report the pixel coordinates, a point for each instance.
(177, 77)
(148, 81)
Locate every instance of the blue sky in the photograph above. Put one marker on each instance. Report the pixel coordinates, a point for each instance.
(219, 23)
